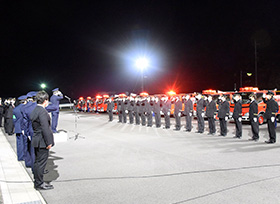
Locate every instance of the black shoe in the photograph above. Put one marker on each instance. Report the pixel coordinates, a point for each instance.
(199, 132)
(237, 137)
(44, 186)
(269, 142)
(254, 139)
(188, 130)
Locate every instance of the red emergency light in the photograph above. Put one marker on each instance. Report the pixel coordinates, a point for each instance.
(209, 91)
(249, 89)
(106, 96)
(144, 94)
(81, 98)
(98, 97)
(122, 95)
(171, 93)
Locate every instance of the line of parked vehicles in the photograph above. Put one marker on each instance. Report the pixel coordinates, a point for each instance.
(99, 102)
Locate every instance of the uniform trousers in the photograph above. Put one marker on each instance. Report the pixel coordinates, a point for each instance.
(178, 122)
(223, 126)
(20, 146)
(137, 118)
(54, 121)
(131, 118)
(167, 120)
(212, 126)
(158, 119)
(188, 122)
(143, 119)
(110, 113)
(200, 122)
(271, 130)
(255, 128)
(150, 119)
(238, 128)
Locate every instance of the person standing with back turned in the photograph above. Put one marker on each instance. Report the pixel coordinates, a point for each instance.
(42, 140)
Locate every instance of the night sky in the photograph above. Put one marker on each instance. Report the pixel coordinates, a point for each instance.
(89, 48)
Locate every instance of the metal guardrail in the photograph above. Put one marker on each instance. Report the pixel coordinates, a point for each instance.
(66, 105)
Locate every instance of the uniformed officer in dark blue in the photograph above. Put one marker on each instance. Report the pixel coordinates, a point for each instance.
(177, 112)
(136, 110)
(18, 117)
(26, 110)
(223, 114)
(188, 111)
(237, 115)
(253, 117)
(54, 107)
(166, 106)
(110, 107)
(149, 111)
(156, 110)
(200, 108)
(119, 108)
(142, 111)
(270, 115)
(211, 110)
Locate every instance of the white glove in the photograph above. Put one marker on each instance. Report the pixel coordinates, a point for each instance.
(179, 114)
(255, 120)
(239, 119)
(226, 118)
(29, 137)
(168, 113)
(190, 114)
(126, 111)
(22, 132)
(272, 119)
(203, 114)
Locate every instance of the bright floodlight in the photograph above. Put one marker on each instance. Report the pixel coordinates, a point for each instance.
(142, 63)
(43, 86)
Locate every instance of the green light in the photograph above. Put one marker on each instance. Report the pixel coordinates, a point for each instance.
(249, 74)
(43, 86)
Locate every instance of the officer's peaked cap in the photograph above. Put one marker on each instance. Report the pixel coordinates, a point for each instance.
(56, 89)
(23, 97)
(31, 94)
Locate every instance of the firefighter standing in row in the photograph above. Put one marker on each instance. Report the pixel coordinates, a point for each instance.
(157, 112)
(110, 108)
(237, 116)
(119, 108)
(131, 105)
(188, 111)
(211, 110)
(143, 111)
(177, 112)
(200, 107)
(149, 112)
(223, 114)
(166, 106)
(270, 115)
(137, 110)
(253, 117)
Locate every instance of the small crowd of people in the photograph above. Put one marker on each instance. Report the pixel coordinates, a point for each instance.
(141, 109)
(29, 120)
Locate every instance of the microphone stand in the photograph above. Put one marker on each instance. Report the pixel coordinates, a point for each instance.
(77, 134)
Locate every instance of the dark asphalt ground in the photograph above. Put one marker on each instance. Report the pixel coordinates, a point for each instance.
(123, 163)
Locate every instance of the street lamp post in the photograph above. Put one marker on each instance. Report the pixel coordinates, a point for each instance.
(142, 63)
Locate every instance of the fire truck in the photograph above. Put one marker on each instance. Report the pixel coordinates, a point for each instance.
(100, 105)
(245, 93)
